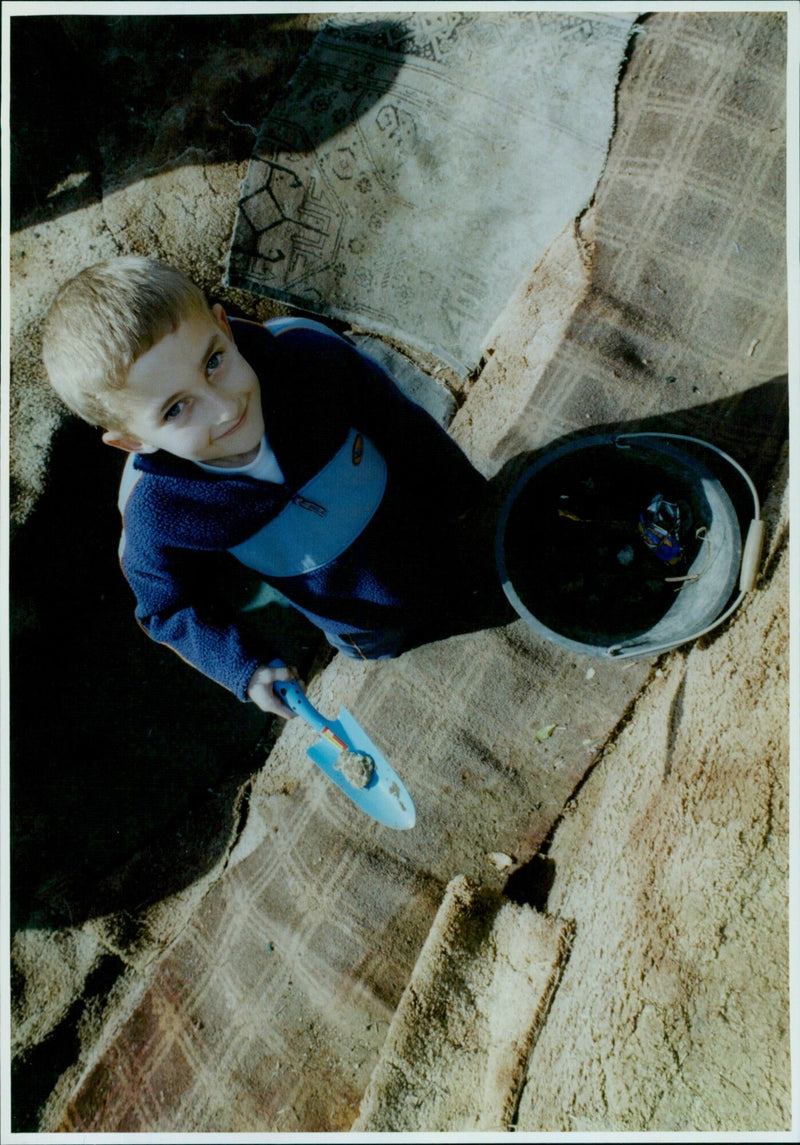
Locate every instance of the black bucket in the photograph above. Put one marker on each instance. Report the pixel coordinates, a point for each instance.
(585, 559)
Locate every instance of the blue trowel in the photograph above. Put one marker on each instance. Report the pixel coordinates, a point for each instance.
(352, 761)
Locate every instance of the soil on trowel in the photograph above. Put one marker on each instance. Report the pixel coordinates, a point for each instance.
(356, 767)
(575, 553)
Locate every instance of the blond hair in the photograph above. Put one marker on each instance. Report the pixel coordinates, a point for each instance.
(102, 321)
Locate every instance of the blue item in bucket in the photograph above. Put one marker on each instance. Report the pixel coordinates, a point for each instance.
(660, 526)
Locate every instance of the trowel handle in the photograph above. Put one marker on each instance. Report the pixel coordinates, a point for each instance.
(290, 692)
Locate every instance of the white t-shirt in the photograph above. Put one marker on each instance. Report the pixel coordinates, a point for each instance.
(264, 466)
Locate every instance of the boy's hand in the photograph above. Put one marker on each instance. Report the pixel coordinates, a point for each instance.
(261, 692)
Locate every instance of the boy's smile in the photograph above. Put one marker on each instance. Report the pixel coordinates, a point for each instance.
(193, 395)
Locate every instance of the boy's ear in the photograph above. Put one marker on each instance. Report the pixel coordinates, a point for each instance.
(128, 444)
(222, 318)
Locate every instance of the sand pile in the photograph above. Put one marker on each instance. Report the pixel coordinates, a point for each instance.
(456, 1050)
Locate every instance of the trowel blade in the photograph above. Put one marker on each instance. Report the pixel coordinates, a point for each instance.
(385, 797)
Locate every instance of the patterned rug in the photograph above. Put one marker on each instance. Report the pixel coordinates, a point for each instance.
(420, 164)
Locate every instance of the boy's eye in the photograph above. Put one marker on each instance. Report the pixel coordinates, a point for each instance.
(214, 361)
(175, 411)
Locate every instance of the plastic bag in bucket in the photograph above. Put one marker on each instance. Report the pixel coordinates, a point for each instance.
(625, 545)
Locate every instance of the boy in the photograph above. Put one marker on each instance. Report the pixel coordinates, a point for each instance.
(281, 446)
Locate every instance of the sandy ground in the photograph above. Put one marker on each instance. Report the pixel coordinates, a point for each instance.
(655, 825)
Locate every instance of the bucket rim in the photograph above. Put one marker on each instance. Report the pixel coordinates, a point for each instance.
(620, 440)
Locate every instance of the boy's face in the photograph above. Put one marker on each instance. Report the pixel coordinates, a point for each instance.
(193, 395)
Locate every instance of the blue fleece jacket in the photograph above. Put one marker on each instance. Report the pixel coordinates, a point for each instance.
(179, 520)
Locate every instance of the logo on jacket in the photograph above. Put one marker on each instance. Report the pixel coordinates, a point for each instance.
(358, 449)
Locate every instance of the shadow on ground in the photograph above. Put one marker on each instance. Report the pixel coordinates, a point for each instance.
(750, 426)
(113, 739)
(99, 102)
